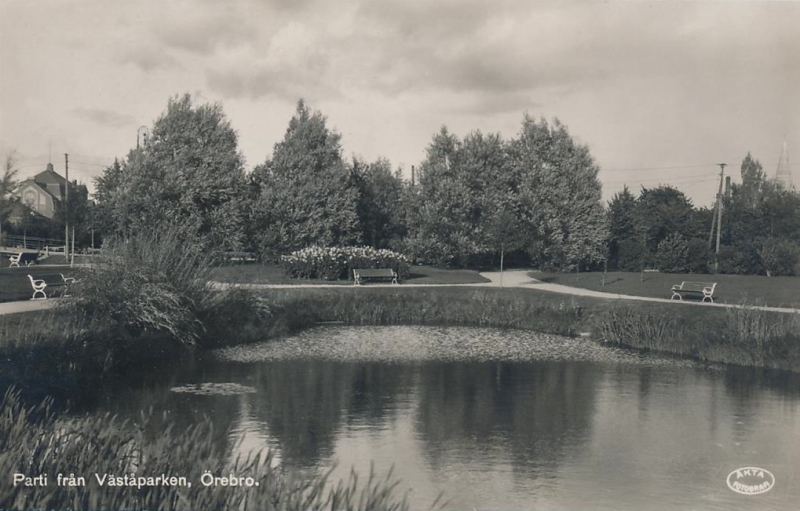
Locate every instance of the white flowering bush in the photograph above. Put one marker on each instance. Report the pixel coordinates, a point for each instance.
(337, 263)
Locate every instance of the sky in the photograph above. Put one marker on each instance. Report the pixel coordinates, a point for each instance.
(660, 91)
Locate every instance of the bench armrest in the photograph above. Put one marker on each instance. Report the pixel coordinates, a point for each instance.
(676, 287)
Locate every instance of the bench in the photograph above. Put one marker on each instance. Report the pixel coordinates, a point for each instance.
(26, 258)
(686, 287)
(379, 274)
(39, 285)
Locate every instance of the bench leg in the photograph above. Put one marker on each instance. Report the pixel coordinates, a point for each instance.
(13, 264)
(674, 294)
(710, 299)
(37, 291)
(394, 280)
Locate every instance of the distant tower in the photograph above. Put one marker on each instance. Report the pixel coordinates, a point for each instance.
(783, 175)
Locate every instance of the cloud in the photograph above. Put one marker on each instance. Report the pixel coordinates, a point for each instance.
(204, 34)
(106, 118)
(147, 58)
(295, 64)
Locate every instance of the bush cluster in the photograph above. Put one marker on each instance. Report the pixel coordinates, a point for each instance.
(337, 263)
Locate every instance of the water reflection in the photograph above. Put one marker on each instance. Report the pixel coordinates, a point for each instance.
(624, 431)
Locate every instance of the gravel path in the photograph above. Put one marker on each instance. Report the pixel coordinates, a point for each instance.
(523, 280)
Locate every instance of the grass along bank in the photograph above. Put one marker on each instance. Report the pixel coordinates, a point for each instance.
(743, 336)
(734, 289)
(38, 442)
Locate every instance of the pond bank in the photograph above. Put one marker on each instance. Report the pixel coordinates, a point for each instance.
(743, 336)
(48, 344)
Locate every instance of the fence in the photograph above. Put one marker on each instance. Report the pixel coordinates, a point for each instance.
(32, 243)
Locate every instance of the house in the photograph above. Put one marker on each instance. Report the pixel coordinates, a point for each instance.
(43, 192)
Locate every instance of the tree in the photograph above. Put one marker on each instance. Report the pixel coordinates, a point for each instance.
(753, 180)
(673, 254)
(504, 230)
(560, 195)
(379, 206)
(8, 184)
(189, 172)
(622, 225)
(305, 196)
(460, 182)
(662, 212)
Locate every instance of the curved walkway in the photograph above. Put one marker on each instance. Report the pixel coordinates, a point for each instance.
(523, 280)
(515, 278)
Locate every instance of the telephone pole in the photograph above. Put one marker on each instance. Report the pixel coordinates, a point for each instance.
(66, 208)
(719, 214)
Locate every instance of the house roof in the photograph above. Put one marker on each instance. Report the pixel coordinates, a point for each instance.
(49, 176)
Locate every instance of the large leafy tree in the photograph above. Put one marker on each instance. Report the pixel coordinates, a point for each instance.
(305, 196)
(460, 182)
(190, 172)
(379, 207)
(560, 195)
(622, 230)
(663, 211)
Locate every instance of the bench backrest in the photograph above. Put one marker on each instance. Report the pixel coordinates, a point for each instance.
(381, 272)
(697, 286)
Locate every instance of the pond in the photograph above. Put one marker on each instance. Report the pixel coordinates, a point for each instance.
(493, 419)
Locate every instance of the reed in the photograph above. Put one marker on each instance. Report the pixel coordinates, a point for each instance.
(35, 441)
(745, 335)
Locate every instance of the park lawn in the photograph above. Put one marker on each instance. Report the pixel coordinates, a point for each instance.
(747, 289)
(273, 274)
(15, 284)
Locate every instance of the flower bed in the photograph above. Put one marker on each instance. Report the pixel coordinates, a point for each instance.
(337, 263)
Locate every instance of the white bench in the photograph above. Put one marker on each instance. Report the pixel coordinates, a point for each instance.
(26, 258)
(687, 287)
(39, 285)
(378, 274)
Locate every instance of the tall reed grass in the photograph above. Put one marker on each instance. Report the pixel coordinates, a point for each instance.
(442, 306)
(34, 441)
(744, 335)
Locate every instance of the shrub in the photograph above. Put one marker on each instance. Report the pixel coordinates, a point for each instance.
(779, 256)
(335, 263)
(740, 259)
(700, 257)
(631, 255)
(673, 254)
(150, 282)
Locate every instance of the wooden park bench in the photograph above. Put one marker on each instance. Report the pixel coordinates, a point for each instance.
(26, 258)
(379, 274)
(39, 286)
(701, 288)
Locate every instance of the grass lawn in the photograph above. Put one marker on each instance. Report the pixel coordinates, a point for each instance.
(750, 289)
(15, 285)
(273, 274)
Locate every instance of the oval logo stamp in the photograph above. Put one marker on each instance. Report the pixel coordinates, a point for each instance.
(751, 480)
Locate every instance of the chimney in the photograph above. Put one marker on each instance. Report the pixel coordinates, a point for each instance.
(727, 187)
(413, 175)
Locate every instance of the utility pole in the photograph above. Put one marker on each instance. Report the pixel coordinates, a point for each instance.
(66, 208)
(719, 214)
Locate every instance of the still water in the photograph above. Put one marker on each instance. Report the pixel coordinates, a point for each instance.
(494, 419)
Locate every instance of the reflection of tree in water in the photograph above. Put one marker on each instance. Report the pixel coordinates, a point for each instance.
(305, 403)
(532, 411)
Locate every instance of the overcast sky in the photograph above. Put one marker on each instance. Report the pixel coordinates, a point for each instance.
(659, 91)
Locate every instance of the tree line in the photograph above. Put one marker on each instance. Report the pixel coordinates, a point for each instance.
(536, 195)
(534, 199)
